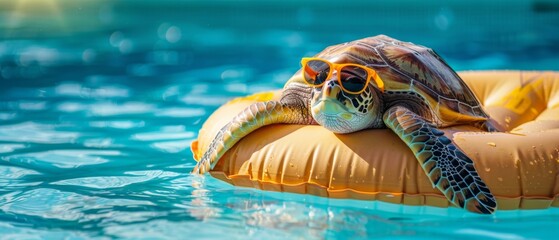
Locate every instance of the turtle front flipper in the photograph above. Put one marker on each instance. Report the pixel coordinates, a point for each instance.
(448, 168)
(253, 117)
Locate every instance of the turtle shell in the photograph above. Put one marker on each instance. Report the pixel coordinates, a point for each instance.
(413, 69)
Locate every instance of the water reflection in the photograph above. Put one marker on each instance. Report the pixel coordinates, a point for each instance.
(181, 112)
(6, 148)
(116, 181)
(262, 215)
(112, 109)
(62, 158)
(80, 91)
(14, 177)
(118, 124)
(32, 132)
(278, 216)
(172, 146)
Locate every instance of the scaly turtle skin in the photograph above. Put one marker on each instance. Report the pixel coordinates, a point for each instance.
(422, 93)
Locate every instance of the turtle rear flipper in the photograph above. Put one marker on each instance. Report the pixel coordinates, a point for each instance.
(253, 117)
(448, 168)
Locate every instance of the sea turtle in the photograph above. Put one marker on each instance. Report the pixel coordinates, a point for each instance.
(413, 92)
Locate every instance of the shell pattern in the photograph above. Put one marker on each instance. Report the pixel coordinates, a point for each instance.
(406, 67)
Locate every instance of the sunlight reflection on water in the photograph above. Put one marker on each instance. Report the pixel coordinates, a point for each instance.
(31, 132)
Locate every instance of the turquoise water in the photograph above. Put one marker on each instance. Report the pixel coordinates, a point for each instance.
(99, 101)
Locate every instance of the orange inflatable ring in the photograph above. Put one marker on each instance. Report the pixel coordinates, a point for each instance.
(521, 166)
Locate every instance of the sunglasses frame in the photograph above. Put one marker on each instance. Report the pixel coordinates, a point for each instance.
(371, 73)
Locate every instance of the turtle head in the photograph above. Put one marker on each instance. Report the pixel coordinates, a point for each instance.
(342, 112)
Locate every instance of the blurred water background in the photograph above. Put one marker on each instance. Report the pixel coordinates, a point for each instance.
(99, 101)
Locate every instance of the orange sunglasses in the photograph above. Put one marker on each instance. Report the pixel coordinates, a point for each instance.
(353, 78)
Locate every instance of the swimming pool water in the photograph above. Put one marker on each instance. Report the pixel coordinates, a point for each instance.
(100, 100)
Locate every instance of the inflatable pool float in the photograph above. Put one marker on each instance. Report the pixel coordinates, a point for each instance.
(520, 166)
(379, 83)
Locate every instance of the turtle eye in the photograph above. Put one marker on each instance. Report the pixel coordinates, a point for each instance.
(353, 84)
(353, 79)
(315, 72)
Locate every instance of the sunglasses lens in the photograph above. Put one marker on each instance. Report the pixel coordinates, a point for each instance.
(316, 72)
(354, 78)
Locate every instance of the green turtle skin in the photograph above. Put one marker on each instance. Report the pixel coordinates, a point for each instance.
(448, 168)
(421, 94)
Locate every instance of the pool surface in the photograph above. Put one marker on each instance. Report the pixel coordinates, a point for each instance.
(100, 100)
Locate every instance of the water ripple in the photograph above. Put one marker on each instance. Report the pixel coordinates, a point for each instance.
(14, 177)
(32, 105)
(106, 182)
(112, 109)
(170, 139)
(165, 229)
(78, 90)
(118, 124)
(180, 112)
(17, 232)
(172, 146)
(100, 143)
(7, 115)
(32, 132)
(204, 100)
(152, 136)
(6, 148)
(70, 107)
(14, 173)
(69, 158)
(55, 204)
